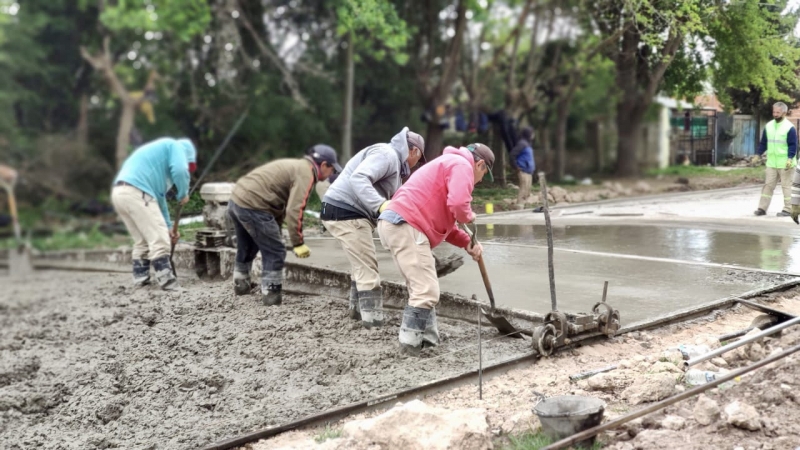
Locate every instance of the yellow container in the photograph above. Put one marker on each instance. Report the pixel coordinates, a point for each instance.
(489, 208)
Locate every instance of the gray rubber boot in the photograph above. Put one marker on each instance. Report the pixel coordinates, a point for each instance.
(353, 310)
(271, 286)
(430, 338)
(141, 272)
(370, 304)
(412, 329)
(164, 275)
(241, 279)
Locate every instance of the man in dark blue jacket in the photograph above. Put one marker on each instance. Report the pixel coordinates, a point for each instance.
(522, 160)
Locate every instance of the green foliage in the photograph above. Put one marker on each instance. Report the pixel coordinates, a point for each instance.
(182, 18)
(690, 171)
(534, 441)
(374, 22)
(67, 240)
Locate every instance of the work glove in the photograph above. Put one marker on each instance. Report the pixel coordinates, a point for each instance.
(795, 213)
(302, 251)
(789, 163)
(383, 206)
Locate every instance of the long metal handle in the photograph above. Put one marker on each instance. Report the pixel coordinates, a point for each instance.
(482, 266)
(550, 268)
(739, 343)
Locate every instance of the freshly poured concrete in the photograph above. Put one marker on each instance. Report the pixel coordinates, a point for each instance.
(639, 289)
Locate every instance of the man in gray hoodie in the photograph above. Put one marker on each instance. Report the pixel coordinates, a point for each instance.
(350, 210)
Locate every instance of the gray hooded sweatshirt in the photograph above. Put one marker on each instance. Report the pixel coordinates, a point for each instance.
(371, 177)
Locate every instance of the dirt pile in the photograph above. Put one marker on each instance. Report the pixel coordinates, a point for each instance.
(86, 362)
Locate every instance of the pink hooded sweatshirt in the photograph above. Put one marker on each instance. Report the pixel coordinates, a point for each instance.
(438, 195)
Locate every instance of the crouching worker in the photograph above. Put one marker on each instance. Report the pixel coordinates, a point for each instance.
(139, 197)
(423, 213)
(350, 210)
(260, 202)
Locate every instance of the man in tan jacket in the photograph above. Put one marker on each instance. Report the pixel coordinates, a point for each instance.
(260, 202)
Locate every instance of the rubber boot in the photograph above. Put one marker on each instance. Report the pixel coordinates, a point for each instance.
(241, 279)
(370, 304)
(430, 338)
(141, 272)
(164, 276)
(412, 329)
(353, 310)
(271, 286)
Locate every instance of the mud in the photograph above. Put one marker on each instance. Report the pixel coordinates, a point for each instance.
(86, 362)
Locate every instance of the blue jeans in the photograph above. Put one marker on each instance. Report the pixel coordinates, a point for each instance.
(258, 231)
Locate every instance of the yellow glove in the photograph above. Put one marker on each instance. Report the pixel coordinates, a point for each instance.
(302, 251)
(383, 207)
(789, 163)
(795, 213)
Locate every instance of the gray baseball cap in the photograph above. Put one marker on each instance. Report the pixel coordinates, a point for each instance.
(325, 153)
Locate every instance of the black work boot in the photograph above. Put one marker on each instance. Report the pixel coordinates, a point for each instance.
(784, 214)
(760, 212)
(141, 272)
(164, 276)
(370, 304)
(412, 329)
(272, 297)
(430, 338)
(241, 279)
(353, 310)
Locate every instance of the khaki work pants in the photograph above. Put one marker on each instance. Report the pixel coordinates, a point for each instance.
(525, 182)
(412, 254)
(773, 176)
(355, 235)
(143, 219)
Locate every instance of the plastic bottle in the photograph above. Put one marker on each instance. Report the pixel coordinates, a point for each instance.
(693, 351)
(695, 377)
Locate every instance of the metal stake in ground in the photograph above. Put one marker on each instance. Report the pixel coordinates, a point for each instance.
(197, 183)
(551, 270)
(480, 355)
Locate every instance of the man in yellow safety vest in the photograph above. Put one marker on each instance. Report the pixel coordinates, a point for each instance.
(779, 141)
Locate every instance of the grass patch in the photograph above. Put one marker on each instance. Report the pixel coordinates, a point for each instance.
(484, 195)
(534, 441)
(63, 240)
(189, 231)
(328, 433)
(706, 171)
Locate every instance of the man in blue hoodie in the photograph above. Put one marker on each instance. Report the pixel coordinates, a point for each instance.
(522, 160)
(139, 196)
(350, 210)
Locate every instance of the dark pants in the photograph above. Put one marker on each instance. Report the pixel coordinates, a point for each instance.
(257, 231)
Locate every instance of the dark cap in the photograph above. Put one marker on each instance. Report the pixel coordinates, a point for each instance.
(482, 151)
(325, 153)
(415, 140)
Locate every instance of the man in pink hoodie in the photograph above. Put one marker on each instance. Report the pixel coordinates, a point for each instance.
(424, 212)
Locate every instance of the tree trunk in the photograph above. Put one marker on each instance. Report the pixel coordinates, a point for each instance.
(434, 138)
(629, 141)
(562, 114)
(82, 131)
(546, 149)
(124, 131)
(347, 117)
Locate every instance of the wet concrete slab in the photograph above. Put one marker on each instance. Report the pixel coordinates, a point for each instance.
(747, 250)
(640, 289)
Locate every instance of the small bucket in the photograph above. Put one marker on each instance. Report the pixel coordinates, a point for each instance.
(565, 415)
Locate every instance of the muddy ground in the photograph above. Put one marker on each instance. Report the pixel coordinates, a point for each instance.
(509, 398)
(88, 363)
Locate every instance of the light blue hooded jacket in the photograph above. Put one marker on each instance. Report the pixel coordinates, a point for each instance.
(154, 167)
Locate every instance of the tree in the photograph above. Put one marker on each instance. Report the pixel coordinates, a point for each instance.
(180, 20)
(374, 27)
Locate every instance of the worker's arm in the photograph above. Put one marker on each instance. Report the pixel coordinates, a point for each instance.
(298, 199)
(460, 182)
(372, 169)
(515, 152)
(762, 146)
(179, 169)
(162, 205)
(791, 141)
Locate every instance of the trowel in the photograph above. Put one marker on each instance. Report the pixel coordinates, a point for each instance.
(501, 323)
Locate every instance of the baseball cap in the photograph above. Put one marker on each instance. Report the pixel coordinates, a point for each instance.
(325, 153)
(483, 152)
(415, 140)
